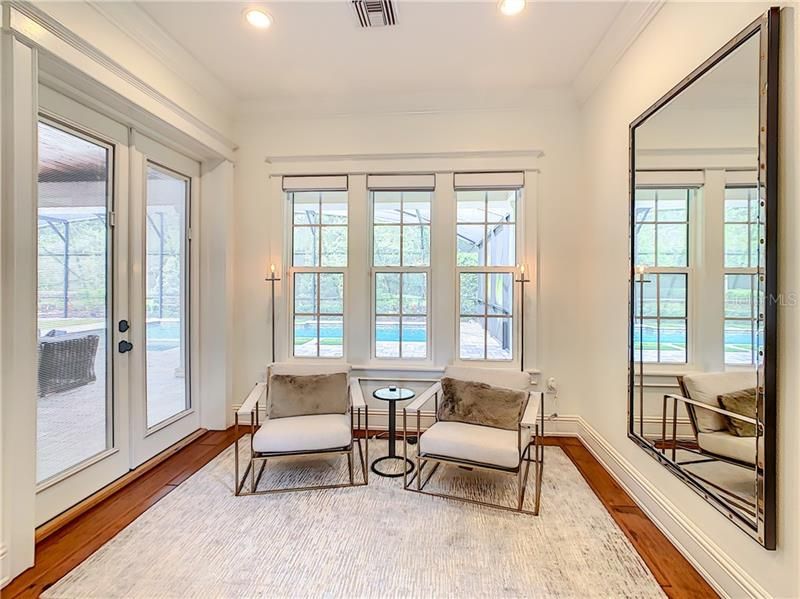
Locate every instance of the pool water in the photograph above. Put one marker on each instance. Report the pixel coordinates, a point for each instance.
(163, 335)
(411, 332)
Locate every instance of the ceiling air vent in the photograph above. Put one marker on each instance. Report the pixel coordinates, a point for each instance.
(374, 13)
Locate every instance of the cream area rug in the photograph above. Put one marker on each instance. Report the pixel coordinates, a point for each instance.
(375, 541)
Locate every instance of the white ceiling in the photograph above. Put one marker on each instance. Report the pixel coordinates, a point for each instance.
(315, 53)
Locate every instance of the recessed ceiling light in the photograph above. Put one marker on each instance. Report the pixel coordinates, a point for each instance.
(512, 7)
(258, 18)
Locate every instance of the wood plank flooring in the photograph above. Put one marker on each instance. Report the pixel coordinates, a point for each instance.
(62, 551)
(673, 572)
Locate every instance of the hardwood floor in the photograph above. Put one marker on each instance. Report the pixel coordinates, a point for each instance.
(63, 550)
(674, 573)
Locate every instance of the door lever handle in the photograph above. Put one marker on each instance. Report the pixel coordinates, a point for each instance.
(125, 346)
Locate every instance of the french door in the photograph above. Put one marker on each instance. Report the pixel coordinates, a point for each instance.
(114, 265)
(166, 183)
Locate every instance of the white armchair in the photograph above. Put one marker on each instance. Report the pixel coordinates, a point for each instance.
(316, 434)
(476, 446)
(709, 420)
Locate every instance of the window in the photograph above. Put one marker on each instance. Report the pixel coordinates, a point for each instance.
(741, 268)
(486, 249)
(319, 260)
(167, 281)
(75, 252)
(662, 248)
(401, 258)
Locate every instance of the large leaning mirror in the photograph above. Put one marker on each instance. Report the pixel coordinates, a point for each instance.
(703, 272)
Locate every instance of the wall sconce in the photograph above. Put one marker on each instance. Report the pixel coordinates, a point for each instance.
(273, 278)
(522, 278)
(640, 273)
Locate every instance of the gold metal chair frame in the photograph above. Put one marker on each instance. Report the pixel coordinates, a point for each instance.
(262, 457)
(741, 503)
(521, 470)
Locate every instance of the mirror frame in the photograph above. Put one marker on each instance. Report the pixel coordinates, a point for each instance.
(767, 28)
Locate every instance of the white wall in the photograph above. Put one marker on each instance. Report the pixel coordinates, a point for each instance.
(659, 59)
(134, 55)
(548, 124)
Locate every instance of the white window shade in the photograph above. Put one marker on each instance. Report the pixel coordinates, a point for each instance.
(315, 183)
(497, 180)
(423, 182)
(741, 178)
(670, 178)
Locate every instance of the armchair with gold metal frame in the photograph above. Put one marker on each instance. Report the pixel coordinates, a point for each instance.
(319, 434)
(700, 393)
(479, 447)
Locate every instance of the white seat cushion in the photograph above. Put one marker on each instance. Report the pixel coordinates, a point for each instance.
(706, 387)
(473, 443)
(303, 433)
(730, 446)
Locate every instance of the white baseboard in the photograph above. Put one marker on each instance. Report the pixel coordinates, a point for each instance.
(705, 555)
(5, 578)
(652, 428)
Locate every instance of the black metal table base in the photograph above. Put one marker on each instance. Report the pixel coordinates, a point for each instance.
(409, 470)
(399, 393)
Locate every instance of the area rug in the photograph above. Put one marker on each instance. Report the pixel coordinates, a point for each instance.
(375, 541)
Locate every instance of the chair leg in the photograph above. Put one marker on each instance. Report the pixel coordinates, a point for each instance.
(366, 445)
(260, 472)
(539, 447)
(406, 482)
(523, 477)
(236, 455)
(350, 465)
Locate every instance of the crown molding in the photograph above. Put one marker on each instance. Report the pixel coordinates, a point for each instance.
(137, 24)
(626, 28)
(36, 27)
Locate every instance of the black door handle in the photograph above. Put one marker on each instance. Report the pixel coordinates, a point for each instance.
(123, 326)
(125, 346)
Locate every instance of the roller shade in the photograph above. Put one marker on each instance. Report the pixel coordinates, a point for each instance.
(315, 183)
(667, 178)
(741, 178)
(506, 180)
(425, 182)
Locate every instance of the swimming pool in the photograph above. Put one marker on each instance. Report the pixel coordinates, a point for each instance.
(333, 333)
(163, 335)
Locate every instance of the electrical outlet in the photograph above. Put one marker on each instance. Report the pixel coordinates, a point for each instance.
(552, 384)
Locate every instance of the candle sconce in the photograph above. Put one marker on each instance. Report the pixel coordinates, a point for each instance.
(522, 279)
(641, 282)
(272, 279)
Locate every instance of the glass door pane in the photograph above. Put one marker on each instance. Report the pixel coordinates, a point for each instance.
(74, 415)
(166, 267)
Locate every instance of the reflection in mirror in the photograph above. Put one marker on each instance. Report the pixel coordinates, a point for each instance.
(698, 285)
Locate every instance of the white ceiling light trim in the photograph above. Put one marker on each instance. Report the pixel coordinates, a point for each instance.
(258, 18)
(511, 7)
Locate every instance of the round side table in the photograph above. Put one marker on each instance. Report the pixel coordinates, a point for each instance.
(393, 395)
